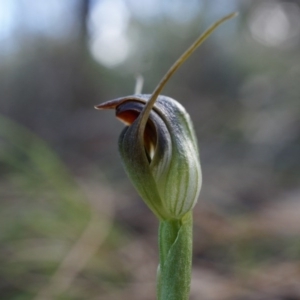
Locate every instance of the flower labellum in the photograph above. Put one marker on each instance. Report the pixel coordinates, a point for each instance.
(164, 164)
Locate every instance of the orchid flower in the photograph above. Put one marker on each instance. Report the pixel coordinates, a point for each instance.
(159, 151)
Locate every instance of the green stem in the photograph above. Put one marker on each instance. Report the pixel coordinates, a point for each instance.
(175, 255)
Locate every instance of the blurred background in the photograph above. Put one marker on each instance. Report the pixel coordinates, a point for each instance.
(71, 224)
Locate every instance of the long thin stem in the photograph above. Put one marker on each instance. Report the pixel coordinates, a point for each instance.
(175, 258)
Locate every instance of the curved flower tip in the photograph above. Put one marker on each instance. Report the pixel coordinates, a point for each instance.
(163, 164)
